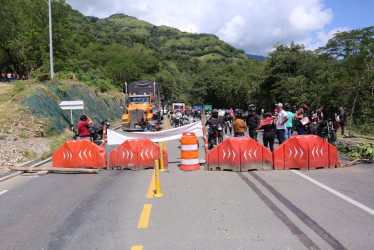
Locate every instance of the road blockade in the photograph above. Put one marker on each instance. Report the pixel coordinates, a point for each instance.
(136, 154)
(254, 156)
(305, 152)
(79, 154)
(189, 152)
(239, 154)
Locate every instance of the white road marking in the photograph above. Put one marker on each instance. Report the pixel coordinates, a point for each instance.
(3, 192)
(342, 196)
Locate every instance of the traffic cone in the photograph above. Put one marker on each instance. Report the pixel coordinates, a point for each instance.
(189, 152)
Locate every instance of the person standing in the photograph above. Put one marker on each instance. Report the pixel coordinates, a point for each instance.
(268, 125)
(82, 126)
(299, 125)
(231, 112)
(289, 124)
(238, 124)
(143, 123)
(320, 114)
(282, 118)
(253, 121)
(342, 118)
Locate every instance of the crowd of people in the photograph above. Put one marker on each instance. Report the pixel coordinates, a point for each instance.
(282, 123)
(10, 77)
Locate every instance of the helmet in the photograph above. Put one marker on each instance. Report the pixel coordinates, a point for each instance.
(251, 108)
(238, 112)
(287, 106)
(215, 113)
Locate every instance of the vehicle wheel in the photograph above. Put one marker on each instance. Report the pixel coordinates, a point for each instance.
(220, 139)
(332, 137)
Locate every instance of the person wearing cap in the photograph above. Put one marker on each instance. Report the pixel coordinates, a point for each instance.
(282, 118)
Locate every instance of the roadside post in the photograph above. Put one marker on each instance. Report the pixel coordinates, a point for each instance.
(162, 157)
(157, 178)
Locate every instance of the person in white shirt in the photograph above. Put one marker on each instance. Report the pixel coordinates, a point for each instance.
(281, 123)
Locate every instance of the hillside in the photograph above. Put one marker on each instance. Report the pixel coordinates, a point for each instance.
(199, 68)
(32, 125)
(169, 41)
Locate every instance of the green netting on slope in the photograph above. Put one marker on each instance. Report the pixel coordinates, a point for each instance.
(44, 105)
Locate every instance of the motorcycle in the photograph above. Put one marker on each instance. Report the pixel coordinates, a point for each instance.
(216, 137)
(154, 126)
(96, 132)
(325, 129)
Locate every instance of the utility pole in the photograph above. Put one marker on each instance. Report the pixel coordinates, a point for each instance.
(50, 38)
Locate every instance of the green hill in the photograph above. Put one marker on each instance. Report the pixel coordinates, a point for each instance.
(199, 68)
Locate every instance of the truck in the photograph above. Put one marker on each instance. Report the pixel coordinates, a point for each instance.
(179, 104)
(140, 97)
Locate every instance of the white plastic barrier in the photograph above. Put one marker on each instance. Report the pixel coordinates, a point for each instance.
(118, 137)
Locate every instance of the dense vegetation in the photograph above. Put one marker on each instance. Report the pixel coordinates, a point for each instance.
(199, 68)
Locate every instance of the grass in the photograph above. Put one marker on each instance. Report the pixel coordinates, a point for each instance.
(354, 139)
(11, 111)
(57, 142)
(23, 135)
(29, 155)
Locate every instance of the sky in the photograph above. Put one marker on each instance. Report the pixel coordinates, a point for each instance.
(252, 25)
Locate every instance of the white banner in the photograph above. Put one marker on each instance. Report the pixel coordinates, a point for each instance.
(116, 137)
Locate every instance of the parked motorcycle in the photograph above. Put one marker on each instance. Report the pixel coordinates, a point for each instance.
(325, 129)
(96, 132)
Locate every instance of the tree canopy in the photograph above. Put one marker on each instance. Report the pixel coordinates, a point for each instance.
(200, 68)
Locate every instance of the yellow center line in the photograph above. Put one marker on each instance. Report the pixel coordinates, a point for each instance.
(152, 187)
(144, 217)
(137, 248)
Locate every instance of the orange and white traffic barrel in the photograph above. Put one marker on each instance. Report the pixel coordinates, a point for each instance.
(189, 152)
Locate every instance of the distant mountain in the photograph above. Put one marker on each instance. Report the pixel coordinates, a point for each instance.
(260, 58)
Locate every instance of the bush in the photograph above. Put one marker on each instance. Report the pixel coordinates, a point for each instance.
(62, 89)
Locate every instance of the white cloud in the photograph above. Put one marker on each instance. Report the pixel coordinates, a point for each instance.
(252, 25)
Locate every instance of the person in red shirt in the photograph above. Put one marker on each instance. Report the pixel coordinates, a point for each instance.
(82, 125)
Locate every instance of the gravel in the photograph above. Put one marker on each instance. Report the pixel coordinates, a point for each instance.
(13, 150)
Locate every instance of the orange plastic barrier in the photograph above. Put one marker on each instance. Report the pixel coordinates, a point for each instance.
(305, 152)
(240, 154)
(79, 154)
(189, 152)
(136, 154)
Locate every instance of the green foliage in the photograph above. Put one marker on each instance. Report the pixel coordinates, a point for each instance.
(363, 151)
(62, 89)
(200, 68)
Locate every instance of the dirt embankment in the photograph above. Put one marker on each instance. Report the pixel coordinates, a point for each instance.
(31, 121)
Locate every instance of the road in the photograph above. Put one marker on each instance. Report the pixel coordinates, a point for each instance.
(200, 209)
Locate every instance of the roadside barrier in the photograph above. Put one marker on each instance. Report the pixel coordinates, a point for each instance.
(305, 152)
(189, 152)
(240, 154)
(104, 135)
(205, 142)
(79, 154)
(136, 154)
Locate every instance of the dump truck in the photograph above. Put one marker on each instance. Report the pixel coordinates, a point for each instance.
(140, 97)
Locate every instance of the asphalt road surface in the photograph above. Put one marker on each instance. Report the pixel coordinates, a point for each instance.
(317, 209)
